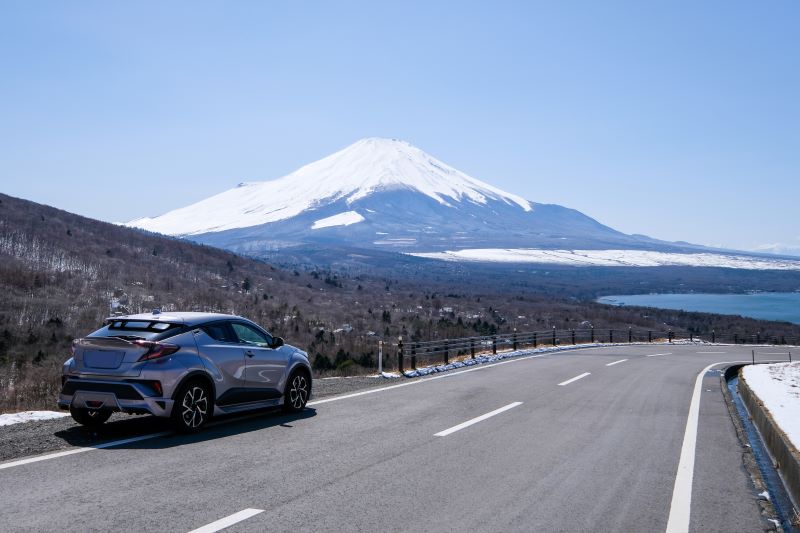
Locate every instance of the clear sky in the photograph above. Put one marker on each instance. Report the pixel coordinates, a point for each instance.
(679, 120)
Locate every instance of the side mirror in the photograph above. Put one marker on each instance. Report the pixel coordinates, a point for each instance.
(277, 342)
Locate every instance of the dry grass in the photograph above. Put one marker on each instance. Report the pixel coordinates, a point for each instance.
(30, 387)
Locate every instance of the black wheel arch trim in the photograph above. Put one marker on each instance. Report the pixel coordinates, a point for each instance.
(197, 374)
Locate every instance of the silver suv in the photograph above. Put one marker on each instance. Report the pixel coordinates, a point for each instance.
(187, 366)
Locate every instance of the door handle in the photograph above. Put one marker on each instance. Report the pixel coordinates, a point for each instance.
(249, 353)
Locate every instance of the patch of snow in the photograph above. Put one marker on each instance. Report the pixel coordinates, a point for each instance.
(777, 385)
(764, 495)
(342, 219)
(638, 258)
(365, 167)
(390, 375)
(29, 416)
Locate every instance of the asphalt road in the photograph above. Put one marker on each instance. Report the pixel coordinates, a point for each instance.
(596, 453)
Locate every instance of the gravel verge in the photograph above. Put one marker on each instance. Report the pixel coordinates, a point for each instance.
(34, 438)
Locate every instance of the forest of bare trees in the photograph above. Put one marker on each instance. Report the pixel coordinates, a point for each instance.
(61, 275)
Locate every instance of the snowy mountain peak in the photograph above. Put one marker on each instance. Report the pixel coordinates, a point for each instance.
(365, 167)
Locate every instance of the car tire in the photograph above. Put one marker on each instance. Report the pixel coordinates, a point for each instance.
(89, 417)
(298, 390)
(193, 407)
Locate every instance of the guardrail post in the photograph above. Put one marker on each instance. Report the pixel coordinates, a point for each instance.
(735, 338)
(611, 336)
(758, 338)
(573, 337)
(649, 336)
(669, 335)
(691, 337)
(554, 335)
(535, 342)
(400, 355)
(514, 340)
(630, 335)
(592, 333)
(494, 345)
(754, 356)
(446, 353)
(713, 336)
(472, 348)
(414, 355)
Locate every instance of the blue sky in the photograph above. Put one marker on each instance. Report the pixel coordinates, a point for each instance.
(680, 120)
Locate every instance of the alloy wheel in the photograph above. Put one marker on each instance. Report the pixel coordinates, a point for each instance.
(298, 391)
(195, 407)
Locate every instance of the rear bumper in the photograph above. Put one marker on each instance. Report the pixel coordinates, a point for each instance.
(128, 397)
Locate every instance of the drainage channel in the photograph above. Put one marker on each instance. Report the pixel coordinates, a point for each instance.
(777, 493)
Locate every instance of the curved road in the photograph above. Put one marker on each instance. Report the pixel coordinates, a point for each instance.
(582, 440)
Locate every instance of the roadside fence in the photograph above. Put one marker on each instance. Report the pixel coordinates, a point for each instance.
(410, 353)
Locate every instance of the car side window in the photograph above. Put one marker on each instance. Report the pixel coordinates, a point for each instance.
(250, 335)
(219, 332)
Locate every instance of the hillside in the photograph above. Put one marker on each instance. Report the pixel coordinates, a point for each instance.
(61, 274)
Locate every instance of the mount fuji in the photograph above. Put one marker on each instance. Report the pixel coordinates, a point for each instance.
(386, 194)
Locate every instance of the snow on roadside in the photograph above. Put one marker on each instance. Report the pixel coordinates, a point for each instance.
(483, 359)
(777, 385)
(29, 416)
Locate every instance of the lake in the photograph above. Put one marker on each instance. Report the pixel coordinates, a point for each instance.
(783, 306)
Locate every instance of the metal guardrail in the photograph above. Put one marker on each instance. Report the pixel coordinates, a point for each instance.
(445, 349)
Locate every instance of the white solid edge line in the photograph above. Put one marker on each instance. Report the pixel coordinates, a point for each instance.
(711, 352)
(657, 354)
(64, 453)
(616, 362)
(576, 378)
(681, 506)
(475, 420)
(228, 521)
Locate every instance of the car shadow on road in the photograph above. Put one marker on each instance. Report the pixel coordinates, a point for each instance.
(220, 427)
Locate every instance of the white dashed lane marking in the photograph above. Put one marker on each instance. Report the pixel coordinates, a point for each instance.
(576, 378)
(477, 419)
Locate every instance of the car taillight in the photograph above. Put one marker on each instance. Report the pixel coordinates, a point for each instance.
(156, 350)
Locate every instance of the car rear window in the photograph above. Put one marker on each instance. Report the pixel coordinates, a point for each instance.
(150, 330)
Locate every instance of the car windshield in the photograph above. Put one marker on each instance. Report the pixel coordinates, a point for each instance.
(138, 329)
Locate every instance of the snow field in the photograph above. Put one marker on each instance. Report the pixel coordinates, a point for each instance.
(638, 258)
(777, 385)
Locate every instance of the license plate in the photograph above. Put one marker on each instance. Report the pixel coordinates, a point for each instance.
(102, 358)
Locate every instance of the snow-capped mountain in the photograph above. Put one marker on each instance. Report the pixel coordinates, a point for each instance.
(359, 171)
(388, 194)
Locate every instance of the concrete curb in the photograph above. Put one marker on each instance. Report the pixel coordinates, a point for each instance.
(785, 454)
